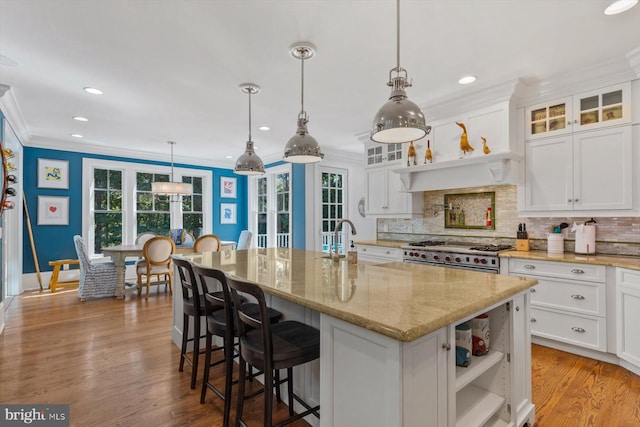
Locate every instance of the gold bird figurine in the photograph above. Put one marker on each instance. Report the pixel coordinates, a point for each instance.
(464, 142)
(485, 147)
(412, 153)
(427, 155)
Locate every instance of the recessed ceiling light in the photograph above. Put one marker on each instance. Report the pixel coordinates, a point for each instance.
(467, 80)
(93, 91)
(619, 6)
(80, 118)
(264, 128)
(228, 157)
(77, 135)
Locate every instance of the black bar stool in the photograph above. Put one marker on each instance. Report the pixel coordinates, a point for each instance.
(220, 323)
(270, 347)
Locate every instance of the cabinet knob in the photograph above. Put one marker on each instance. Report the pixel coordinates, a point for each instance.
(529, 267)
(533, 320)
(577, 296)
(577, 271)
(388, 252)
(517, 308)
(364, 249)
(576, 200)
(446, 346)
(575, 121)
(570, 200)
(579, 330)
(533, 290)
(569, 123)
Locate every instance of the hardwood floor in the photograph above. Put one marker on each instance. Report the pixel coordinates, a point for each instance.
(114, 363)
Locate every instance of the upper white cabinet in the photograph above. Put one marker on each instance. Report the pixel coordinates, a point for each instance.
(589, 110)
(385, 196)
(587, 171)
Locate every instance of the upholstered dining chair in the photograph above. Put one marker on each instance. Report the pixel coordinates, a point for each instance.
(97, 279)
(157, 262)
(142, 238)
(207, 243)
(271, 346)
(244, 241)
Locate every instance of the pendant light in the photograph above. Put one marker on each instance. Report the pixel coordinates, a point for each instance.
(171, 188)
(399, 120)
(249, 163)
(302, 147)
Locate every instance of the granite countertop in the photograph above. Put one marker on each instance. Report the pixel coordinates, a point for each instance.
(625, 261)
(398, 300)
(384, 243)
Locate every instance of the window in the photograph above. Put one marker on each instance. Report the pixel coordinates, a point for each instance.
(270, 207)
(192, 217)
(152, 211)
(332, 208)
(107, 196)
(120, 203)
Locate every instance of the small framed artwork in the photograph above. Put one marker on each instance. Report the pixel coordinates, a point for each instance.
(53, 210)
(228, 213)
(53, 174)
(228, 187)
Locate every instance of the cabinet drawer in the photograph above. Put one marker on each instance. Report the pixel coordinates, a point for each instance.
(579, 297)
(560, 270)
(583, 331)
(385, 252)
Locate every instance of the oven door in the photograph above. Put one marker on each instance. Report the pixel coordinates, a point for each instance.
(474, 268)
(422, 262)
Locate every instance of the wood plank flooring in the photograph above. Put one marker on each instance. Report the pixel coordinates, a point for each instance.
(114, 363)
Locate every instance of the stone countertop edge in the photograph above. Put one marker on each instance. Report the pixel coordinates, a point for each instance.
(624, 261)
(383, 243)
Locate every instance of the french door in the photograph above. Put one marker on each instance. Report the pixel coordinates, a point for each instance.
(270, 208)
(333, 185)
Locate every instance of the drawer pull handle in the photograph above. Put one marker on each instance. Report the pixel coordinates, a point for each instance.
(579, 330)
(577, 296)
(533, 320)
(364, 249)
(533, 290)
(446, 346)
(388, 252)
(577, 271)
(529, 267)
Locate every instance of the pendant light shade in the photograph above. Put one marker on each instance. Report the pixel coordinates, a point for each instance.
(249, 163)
(302, 147)
(171, 188)
(400, 119)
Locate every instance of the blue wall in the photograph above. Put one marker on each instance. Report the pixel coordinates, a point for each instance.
(55, 241)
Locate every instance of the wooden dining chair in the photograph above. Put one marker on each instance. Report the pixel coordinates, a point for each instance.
(157, 256)
(270, 347)
(207, 243)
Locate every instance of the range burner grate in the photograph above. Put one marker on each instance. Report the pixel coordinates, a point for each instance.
(427, 243)
(491, 248)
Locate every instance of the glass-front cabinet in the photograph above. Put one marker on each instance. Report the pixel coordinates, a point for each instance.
(379, 154)
(595, 109)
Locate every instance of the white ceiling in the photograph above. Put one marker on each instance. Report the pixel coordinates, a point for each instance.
(170, 69)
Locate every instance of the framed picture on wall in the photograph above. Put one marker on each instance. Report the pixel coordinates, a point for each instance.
(228, 213)
(228, 187)
(53, 210)
(53, 174)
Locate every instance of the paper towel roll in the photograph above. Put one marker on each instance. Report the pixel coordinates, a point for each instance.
(586, 239)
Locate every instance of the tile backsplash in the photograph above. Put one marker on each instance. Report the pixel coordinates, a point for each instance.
(617, 235)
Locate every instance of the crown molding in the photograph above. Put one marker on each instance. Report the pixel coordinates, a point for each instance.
(633, 56)
(9, 107)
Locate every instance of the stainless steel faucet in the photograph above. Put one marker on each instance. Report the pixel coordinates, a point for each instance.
(336, 257)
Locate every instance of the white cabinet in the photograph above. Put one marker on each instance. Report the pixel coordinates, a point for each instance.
(628, 309)
(569, 303)
(378, 254)
(588, 171)
(603, 107)
(384, 193)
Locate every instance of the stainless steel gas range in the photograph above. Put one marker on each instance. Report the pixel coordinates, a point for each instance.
(475, 257)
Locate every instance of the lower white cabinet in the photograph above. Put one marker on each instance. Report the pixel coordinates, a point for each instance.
(628, 314)
(569, 303)
(378, 254)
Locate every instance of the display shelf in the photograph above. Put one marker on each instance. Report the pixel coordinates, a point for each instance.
(497, 422)
(478, 366)
(475, 406)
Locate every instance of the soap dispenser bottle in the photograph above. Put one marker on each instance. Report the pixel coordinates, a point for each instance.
(352, 254)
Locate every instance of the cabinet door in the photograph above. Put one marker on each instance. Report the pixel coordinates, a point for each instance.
(602, 169)
(377, 154)
(397, 201)
(549, 174)
(603, 107)
(548, 119)
(377, 192)
(628, 307)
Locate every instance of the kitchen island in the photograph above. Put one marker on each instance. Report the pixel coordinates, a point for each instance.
(388, 337)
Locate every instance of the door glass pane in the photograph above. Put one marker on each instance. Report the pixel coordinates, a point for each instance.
(589, 103)
(612, 98)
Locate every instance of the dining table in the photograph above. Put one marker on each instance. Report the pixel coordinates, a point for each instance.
(120, 253)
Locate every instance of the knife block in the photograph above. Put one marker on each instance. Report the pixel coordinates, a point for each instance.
(522, 245)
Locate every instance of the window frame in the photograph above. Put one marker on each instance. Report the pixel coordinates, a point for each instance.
(129, 171)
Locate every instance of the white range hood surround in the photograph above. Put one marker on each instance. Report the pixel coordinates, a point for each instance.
(490, 114)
